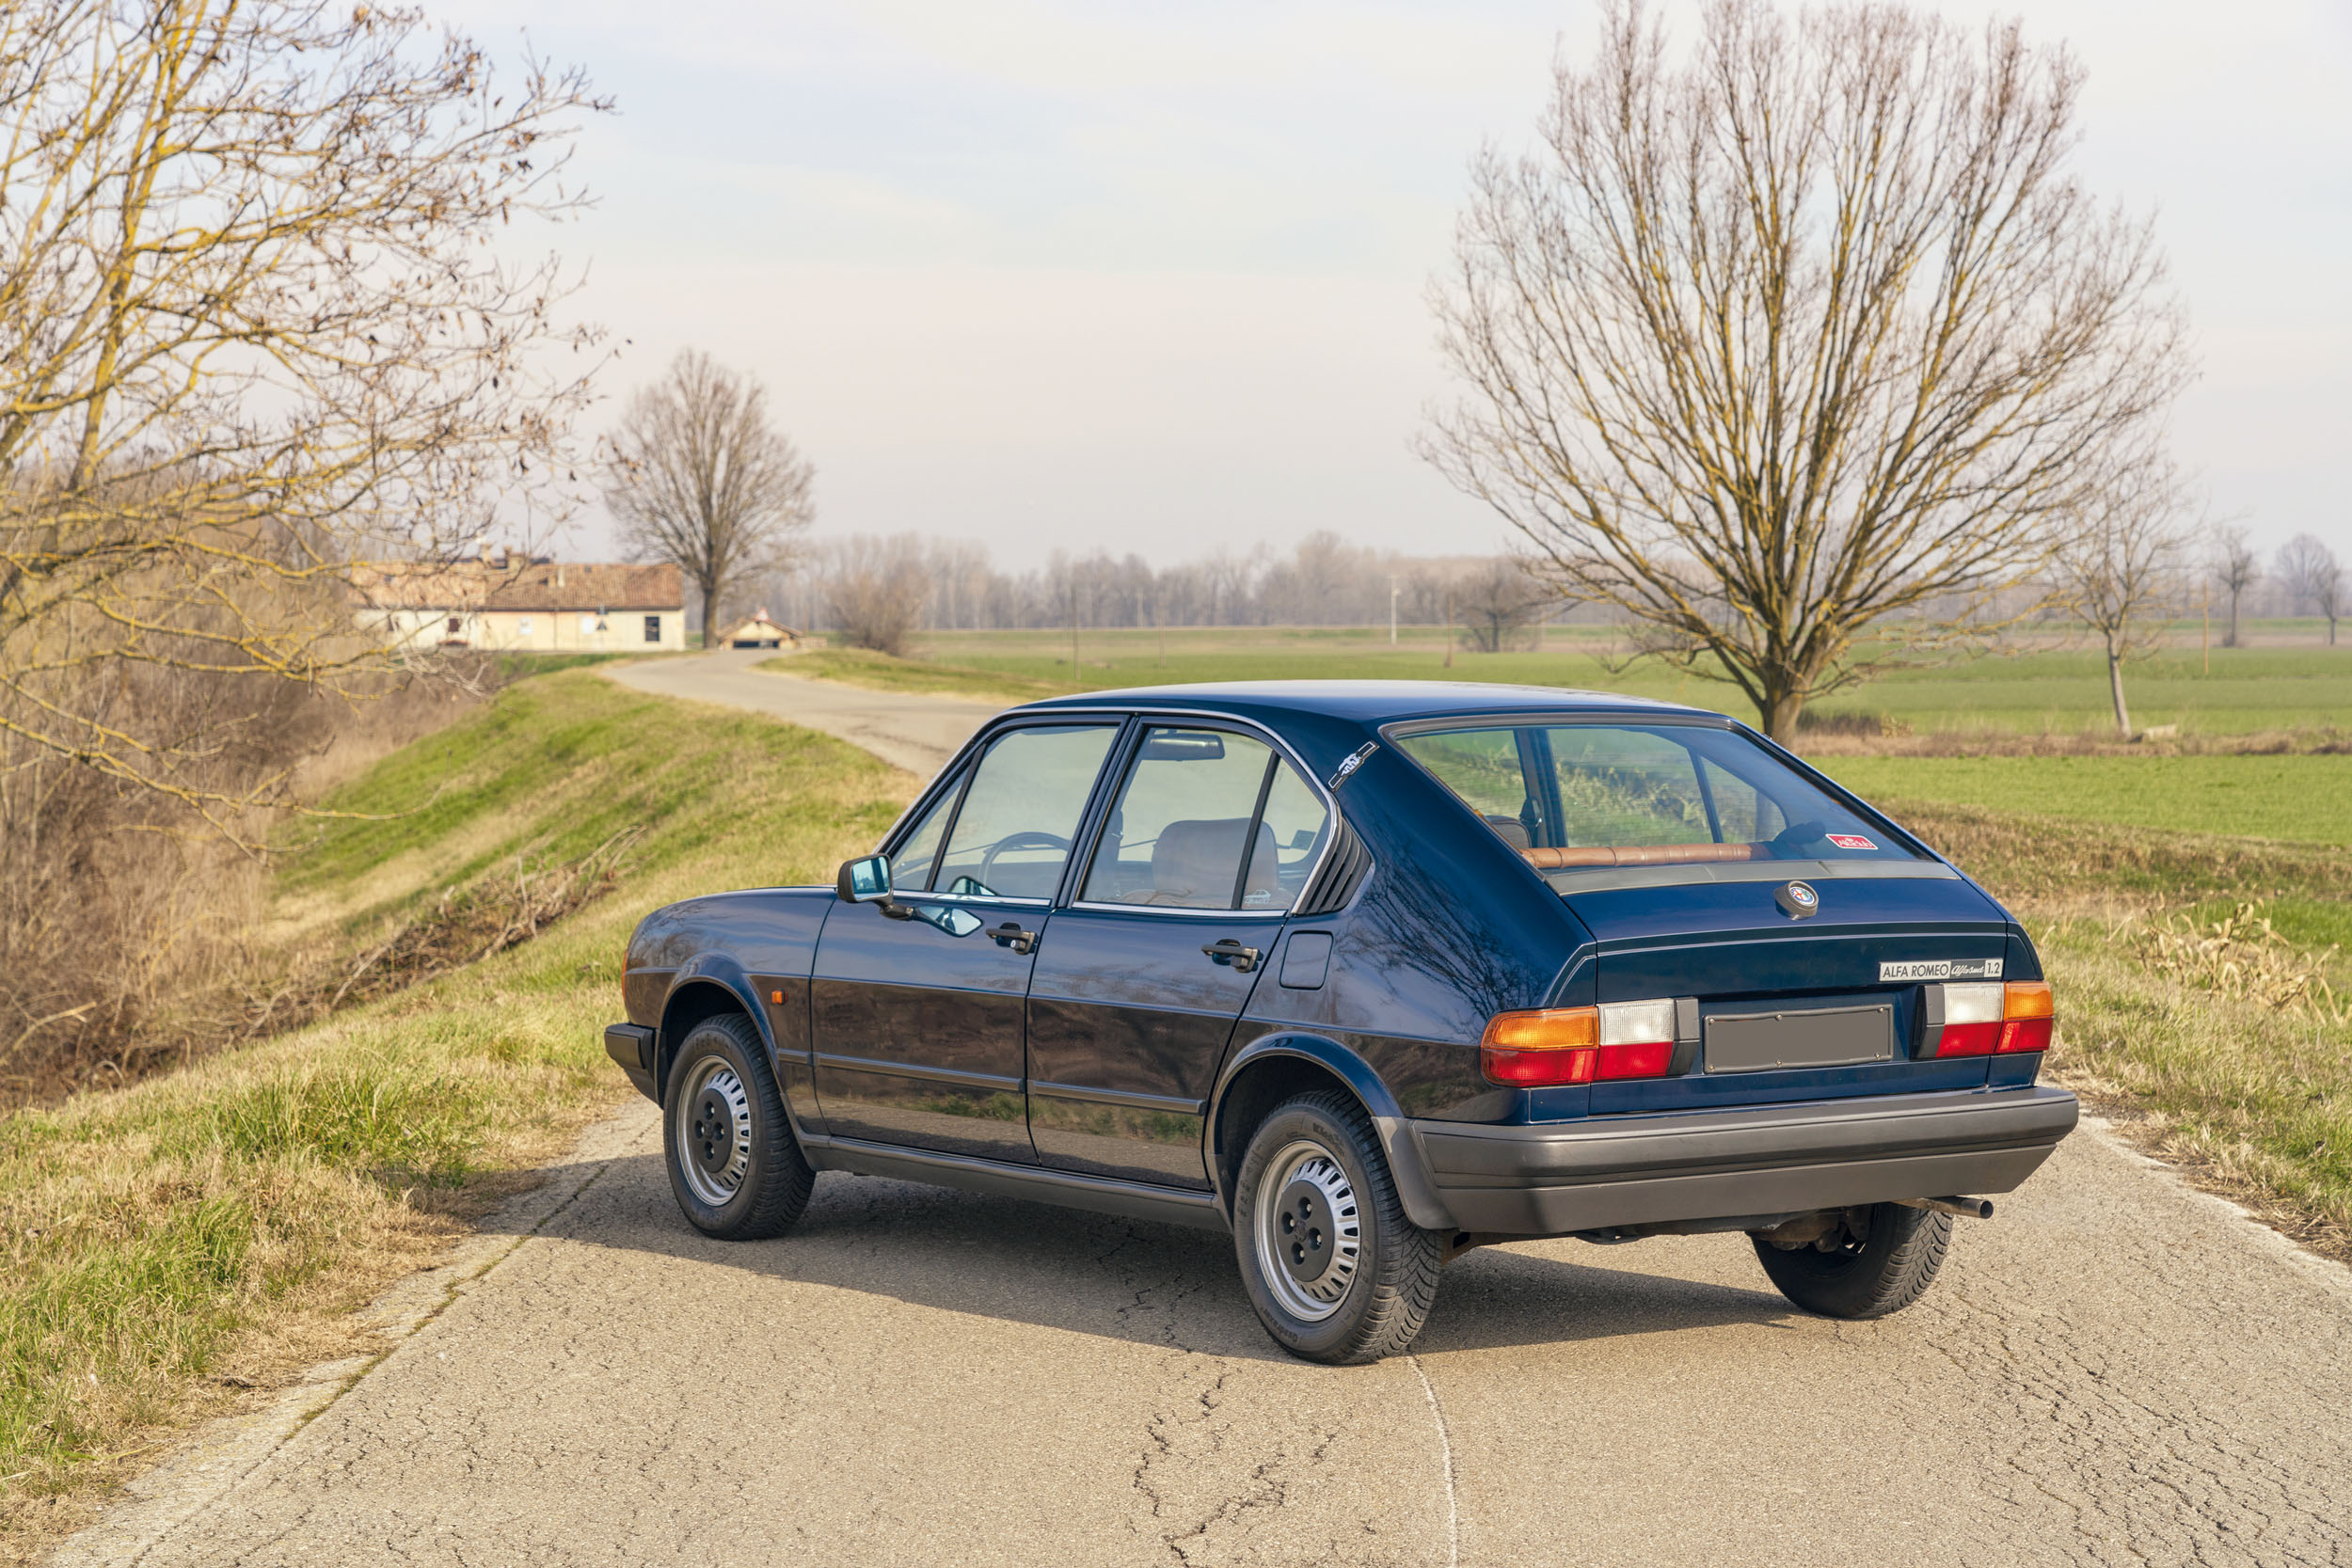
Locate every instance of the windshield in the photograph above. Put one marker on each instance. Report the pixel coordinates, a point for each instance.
(1569, 797)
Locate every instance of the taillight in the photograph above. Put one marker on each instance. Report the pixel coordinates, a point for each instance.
(1578, 1045)
(2027, 1015)
(1991, 1018)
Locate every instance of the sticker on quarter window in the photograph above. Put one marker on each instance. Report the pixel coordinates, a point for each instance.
(1940, 968)
(1851, 841)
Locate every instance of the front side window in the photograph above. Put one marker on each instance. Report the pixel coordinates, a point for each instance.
(1570, 796)
(653, 628)
(1207, 821)
(1012, 829)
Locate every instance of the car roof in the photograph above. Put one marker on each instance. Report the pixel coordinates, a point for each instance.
(1370, 703)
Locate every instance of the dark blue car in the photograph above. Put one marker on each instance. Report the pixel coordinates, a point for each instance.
(1370, 974)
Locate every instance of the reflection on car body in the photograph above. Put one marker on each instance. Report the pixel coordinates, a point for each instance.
(1369, 974)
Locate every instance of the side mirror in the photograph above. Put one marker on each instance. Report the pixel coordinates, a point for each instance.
(864, 880)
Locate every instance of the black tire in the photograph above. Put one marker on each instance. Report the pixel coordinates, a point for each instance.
(1318, 1165)
(734, 1167)
(1880, 1260)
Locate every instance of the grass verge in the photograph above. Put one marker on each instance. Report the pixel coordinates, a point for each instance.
(882, 672)
(2167, 995)
(171, 1242)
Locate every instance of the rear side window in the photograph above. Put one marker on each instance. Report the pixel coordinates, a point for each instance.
(1207, 819)
(1570, 796)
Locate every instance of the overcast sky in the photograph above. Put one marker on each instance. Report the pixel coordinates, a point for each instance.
(1150, 276)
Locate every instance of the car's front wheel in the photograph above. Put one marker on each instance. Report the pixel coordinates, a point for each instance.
(734, 1167)
(1337, 1271)
(1873, 1260)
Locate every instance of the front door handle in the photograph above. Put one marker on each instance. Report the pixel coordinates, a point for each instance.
(1227, 950)
(1011, 935)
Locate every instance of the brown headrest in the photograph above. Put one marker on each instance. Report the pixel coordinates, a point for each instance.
(1647, 854)
(1514, 831)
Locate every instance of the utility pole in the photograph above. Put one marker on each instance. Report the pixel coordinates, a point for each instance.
(2205, 615)
(1392, 591)
(1074, 626)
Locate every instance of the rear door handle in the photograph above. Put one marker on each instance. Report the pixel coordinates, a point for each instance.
(1011, 935)
(1227, 950)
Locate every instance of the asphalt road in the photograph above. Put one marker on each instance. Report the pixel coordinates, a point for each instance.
(2114, 1369)
(916, 732)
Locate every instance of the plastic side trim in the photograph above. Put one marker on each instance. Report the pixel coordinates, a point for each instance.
(1400, 1139)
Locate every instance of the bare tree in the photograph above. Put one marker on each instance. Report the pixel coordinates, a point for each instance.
(1810, 338)
(1496, 605)
(2314, 574)
(697, 476)
(875, 590)
(2235, 569)
(253, 328)
(2121, 562)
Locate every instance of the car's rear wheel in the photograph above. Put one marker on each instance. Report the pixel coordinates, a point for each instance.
(1874, 1260)
(734, 1167)
(1337, 1271)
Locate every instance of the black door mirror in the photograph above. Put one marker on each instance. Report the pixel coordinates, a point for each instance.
(864, 880)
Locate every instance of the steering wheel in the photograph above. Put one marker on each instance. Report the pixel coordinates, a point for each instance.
(1024, 840)
(1786, 840)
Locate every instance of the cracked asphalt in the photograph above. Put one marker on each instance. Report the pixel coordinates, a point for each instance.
(2114, 1370)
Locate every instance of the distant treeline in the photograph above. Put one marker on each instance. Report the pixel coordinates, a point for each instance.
(1325, 581)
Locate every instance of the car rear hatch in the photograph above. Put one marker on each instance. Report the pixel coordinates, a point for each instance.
(1777, 1001)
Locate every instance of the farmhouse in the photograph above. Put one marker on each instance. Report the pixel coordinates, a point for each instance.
(758, 631)
(522, 602)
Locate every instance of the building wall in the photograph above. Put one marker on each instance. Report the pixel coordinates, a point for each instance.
(549, 631)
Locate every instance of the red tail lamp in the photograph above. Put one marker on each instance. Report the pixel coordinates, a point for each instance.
(1994, 1019)
(1547, 1046)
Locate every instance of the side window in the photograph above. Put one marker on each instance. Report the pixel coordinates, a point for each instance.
(1176, 834)
(1295, 826)
(1622, 787)
(1011, 836)
(919, 853)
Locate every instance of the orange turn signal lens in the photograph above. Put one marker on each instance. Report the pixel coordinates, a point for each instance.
(2027, 999)
(1542, 1046)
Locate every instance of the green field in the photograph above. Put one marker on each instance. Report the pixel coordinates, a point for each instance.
(2059, 692)
(2302, 798)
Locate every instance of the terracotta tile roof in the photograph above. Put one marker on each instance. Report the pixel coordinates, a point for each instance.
(517, 584)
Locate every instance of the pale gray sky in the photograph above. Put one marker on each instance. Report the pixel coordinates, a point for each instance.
(1067, 273)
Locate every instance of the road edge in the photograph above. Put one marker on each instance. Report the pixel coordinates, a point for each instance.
(210, 1460)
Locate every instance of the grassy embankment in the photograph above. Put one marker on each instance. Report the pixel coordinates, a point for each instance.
(2225, 1041)
(207, 1229)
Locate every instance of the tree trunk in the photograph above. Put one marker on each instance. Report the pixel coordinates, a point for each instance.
(2230, 640)
(1777, 713)
(710, 609)
(2115, 689)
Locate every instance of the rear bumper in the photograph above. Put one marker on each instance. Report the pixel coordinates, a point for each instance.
(1554, 1179)
(631, 1046)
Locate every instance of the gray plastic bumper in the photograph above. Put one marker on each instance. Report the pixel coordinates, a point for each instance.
(1555, 1178)
(631, 1046)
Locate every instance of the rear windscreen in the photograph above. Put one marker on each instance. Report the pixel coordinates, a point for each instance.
(1570, 796)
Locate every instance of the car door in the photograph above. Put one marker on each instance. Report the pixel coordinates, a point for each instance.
(916, 1007)
(1206, 845)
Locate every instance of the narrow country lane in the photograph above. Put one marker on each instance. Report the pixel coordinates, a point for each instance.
(2114, 1370)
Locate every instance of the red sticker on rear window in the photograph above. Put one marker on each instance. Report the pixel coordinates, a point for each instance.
(1851, 841)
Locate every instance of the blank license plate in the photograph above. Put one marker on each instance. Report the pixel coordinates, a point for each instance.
(1837, 1037)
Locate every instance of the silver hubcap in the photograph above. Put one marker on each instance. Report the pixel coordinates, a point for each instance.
(714, 1130)
(1309, 1230)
